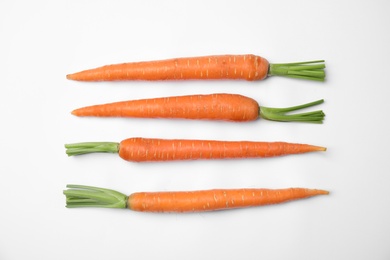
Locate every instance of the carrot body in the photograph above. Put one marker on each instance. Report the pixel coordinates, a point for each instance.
(228, 107)
(248, 67)
(218, 199)
(144, 149)
(152, 149)
(183, 201)
(221, 106)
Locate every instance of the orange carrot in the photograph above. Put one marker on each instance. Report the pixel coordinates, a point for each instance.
(144, 149)
(247, 67)
(183, 201)
(229, 107)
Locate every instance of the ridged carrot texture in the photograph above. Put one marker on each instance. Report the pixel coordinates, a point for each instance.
(229, 107)
(183, 201)
(246, 67)
(146, 149)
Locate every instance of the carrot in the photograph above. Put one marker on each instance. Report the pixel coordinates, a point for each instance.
(183, 201)
(229, 107)
(247, 67)
(146, 149)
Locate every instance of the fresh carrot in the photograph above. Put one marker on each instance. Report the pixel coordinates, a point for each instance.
(229, 107)
(183, 201)
(247, 67)
(146, 149)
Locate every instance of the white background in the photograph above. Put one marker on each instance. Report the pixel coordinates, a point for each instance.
(42, 41)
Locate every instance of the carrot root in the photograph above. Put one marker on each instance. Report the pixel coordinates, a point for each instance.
(183, 201)
(220, 106)
(245, 67)
(154, 149)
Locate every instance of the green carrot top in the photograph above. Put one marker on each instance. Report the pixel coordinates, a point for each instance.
(312, 70)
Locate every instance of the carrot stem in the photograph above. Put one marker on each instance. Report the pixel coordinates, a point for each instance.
(86, 196)
(312, 70)
(281, 114)
(91, 147)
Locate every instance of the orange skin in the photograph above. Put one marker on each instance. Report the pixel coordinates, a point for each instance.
(229, 107)
(210, 200)
(144, 149)
(247, 67)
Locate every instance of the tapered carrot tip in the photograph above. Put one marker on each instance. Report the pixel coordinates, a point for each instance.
(320, 148)
(75, 112)
(314, 192)
(69, 76)
(73, 76)
(86, 111)
(305, 148)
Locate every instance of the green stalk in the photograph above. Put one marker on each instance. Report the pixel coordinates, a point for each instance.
(282, 114)
(312, 70)
(78, 196)
(91, 147)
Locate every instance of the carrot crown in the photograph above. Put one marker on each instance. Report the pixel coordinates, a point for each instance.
(281, 114)
(91, 147)
(312, 70)
(78, 196)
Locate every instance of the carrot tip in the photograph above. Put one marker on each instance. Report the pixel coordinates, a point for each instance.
(322, 192)
(318, 148)
(322, 148)
(315, 192)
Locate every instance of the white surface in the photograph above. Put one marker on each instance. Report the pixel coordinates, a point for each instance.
(42, 41)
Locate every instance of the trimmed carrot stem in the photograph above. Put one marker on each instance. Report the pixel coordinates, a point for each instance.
(281, 114)
(220, 106)
(149, 149)
(88, 196)
(92, 147)
(183, 201)
(312, 70)
(247, 67)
